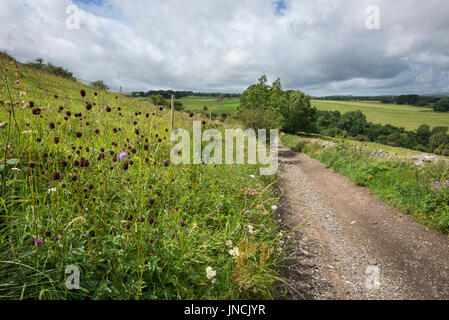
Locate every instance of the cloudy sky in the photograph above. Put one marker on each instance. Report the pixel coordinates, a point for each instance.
(321, 47)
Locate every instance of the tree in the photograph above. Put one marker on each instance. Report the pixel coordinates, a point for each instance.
(257, 95)
(298, 114)
(158, 100)
(441, 106)
(354, 122)
(100, 85)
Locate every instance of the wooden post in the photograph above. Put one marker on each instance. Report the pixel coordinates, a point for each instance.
(172, 110)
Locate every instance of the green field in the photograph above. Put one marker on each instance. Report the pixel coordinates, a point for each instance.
(212, 103)
(406, 116)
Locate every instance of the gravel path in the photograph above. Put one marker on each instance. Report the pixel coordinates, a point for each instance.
(350, 245)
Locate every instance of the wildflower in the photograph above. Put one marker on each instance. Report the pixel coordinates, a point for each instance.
(181, 222)
(447, 181)
(437, 182)
(38, 240)
(78, 134)
(234, 252)
(15, 169)
(251, 229)
(51, 190)
(229, 243)
(210, 274)
(252, 176)
(48, 233)
(56, 176)
(438, 187)
(51, 125)
(274, 207)
(190, 114)
(150, 220)
(56, 140)
(220, 204)
(83, 93)
(122, 155)
(247, 211)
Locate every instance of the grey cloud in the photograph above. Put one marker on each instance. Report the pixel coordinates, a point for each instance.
(321, 46)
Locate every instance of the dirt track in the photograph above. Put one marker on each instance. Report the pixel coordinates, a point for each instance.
(345, 237)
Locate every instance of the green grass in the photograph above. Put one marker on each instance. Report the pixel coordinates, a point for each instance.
(213, 104)
(409, 188)
(409, 117)
(141, 230)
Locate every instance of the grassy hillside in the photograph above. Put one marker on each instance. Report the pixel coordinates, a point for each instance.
(86, 180)
(406, 116)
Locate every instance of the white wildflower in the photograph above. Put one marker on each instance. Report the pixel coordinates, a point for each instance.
(229, 243)
(251, 229)
(210, 273)
(51, 190)
(234, 252)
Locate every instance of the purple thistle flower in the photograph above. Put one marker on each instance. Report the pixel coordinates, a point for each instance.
(38, 240)
(248, 211)
(220, 204)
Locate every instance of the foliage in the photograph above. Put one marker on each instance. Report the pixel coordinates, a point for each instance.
(354, 123)
(298, 114)
(39, 64)
(441, 106)
(88, 182)
(100, 85)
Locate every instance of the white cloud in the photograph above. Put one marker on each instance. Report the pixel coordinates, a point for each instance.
(321, 46)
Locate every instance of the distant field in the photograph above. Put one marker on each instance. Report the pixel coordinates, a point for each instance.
(406, 116)
(212, 103)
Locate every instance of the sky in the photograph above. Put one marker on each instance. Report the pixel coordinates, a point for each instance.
(321, 47)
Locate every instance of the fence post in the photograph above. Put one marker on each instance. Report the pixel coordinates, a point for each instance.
(172, 110)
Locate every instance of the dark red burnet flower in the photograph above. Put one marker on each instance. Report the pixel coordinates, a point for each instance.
(190, 114)
(83, 93)
(108, 109)
(95, 93)
(56, 140)
(63, 163)
(31, 165)
(74, 177)
(56, 96)
(125, 165)
(78, 134)
(90, 186)
(97, 131)
(36, 111)
(31, 104)
(56, 176)
(47, 233)
(150, 220)
(88, 106)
